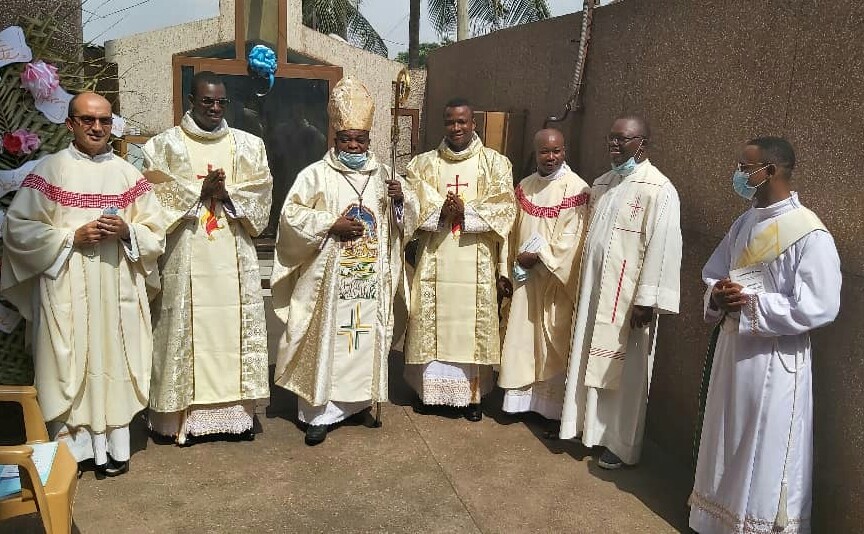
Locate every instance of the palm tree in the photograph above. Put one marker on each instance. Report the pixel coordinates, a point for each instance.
(486, 15)
(343, 18)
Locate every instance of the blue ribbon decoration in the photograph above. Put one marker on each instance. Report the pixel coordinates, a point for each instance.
(262, 62)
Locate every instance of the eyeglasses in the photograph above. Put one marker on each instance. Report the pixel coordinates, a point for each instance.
(89, 120)
(740, 166)
(209, 102)
(621, 140)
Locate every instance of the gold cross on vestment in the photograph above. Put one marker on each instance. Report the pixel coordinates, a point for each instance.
(353, 330)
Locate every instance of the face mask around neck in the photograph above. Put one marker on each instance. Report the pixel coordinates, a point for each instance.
(627, 168)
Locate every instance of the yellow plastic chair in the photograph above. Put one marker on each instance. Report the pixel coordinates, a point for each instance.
(54, 500)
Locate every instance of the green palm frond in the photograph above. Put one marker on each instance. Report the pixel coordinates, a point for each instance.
(342, 17)
(17, 107)
(486, 15)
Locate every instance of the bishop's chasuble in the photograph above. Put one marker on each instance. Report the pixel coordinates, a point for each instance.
(755, 466)
(209, 325)
(87, 306)
(552, 217)
(632, 257)
(453, 319)
(336, 297)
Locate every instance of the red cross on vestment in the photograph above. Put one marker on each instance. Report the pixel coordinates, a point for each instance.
(635, 207)
(202, 176)
(457, 185)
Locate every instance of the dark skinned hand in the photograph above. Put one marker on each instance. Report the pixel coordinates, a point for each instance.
(347, 229)
(214, 185)
(727, 296)
(87, 235)
(641, 316)
(394, 190)
(112, 227)
(505, 287)
(528, 259)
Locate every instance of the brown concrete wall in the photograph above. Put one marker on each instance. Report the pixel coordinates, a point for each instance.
(710, 75)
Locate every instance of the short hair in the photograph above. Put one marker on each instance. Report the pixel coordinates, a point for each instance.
(459, 102)
(206, 77)
(777, 149)
(70, 111)
(644, 126)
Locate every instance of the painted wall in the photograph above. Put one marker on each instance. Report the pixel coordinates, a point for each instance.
(709, 76)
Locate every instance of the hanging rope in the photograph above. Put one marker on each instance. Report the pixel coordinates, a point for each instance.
(576, 83)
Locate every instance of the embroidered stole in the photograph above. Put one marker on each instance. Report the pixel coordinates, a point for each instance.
(622, 267)
(783, 232)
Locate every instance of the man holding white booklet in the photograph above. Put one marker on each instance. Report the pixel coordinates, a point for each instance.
(544, 250)
(773, 279)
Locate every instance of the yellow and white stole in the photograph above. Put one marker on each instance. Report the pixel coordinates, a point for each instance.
(622, 267)
(783, 232)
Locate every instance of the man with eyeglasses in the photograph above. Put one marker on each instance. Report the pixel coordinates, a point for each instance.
(81, 240)
(337, 268)
(630, 275)
(210, 363)
(774, 278)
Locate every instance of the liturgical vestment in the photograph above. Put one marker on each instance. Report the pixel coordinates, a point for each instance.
(336, 297)
(453, 330)
(755, 466)
(551, 221)
(87, 306)
(632, 257)
(210, 337)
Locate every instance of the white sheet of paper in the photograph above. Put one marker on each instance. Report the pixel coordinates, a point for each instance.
(534, 243)
(13, 46)
(752, 278)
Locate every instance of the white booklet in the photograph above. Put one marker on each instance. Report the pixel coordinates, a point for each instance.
(534, 243)
(752, 278)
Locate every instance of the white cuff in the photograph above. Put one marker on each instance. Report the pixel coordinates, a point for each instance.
(473, 223)
(54, 271)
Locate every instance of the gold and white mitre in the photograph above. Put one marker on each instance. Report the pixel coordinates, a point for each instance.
(351, 106)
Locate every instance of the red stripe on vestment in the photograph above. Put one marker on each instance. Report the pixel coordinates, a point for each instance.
(618, 291)
(72, 199)
(549, 212)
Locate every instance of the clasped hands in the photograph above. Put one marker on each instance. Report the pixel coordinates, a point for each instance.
(104, 228)
(214, 186)
(728, 296)
(453, 209)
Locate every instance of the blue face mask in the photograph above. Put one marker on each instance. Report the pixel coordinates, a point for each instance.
(627, 168)
(741, 184)
(353, 161)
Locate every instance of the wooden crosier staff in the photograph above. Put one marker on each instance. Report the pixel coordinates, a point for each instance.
(401, 90)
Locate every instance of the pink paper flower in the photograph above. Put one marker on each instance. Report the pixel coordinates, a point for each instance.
(40, 78)
(20, 142)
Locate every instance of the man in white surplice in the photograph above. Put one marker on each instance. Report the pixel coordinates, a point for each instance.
(337, 268)
(630, 274)
(773, 279)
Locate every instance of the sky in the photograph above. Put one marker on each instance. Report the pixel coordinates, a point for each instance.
(110, 19)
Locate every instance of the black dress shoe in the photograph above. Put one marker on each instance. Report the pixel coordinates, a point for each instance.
(112, 468)
(418, 406)
(473, 413)
(315, 434)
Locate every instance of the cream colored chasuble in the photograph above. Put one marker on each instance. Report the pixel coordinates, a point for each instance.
(456, 260)
(357, 300)
(215, 284)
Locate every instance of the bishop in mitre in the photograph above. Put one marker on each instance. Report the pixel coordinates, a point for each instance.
(630, 274)
(466, 209)
(210, 363)
(544, 252)
(81, 241)
(337, 268)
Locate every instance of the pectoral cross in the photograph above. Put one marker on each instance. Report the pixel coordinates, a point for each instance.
(457, 185)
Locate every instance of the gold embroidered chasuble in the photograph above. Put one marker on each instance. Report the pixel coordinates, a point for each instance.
(453, 313)
(335, 297)
(539, 317)
(209, 324)
(92, 331)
